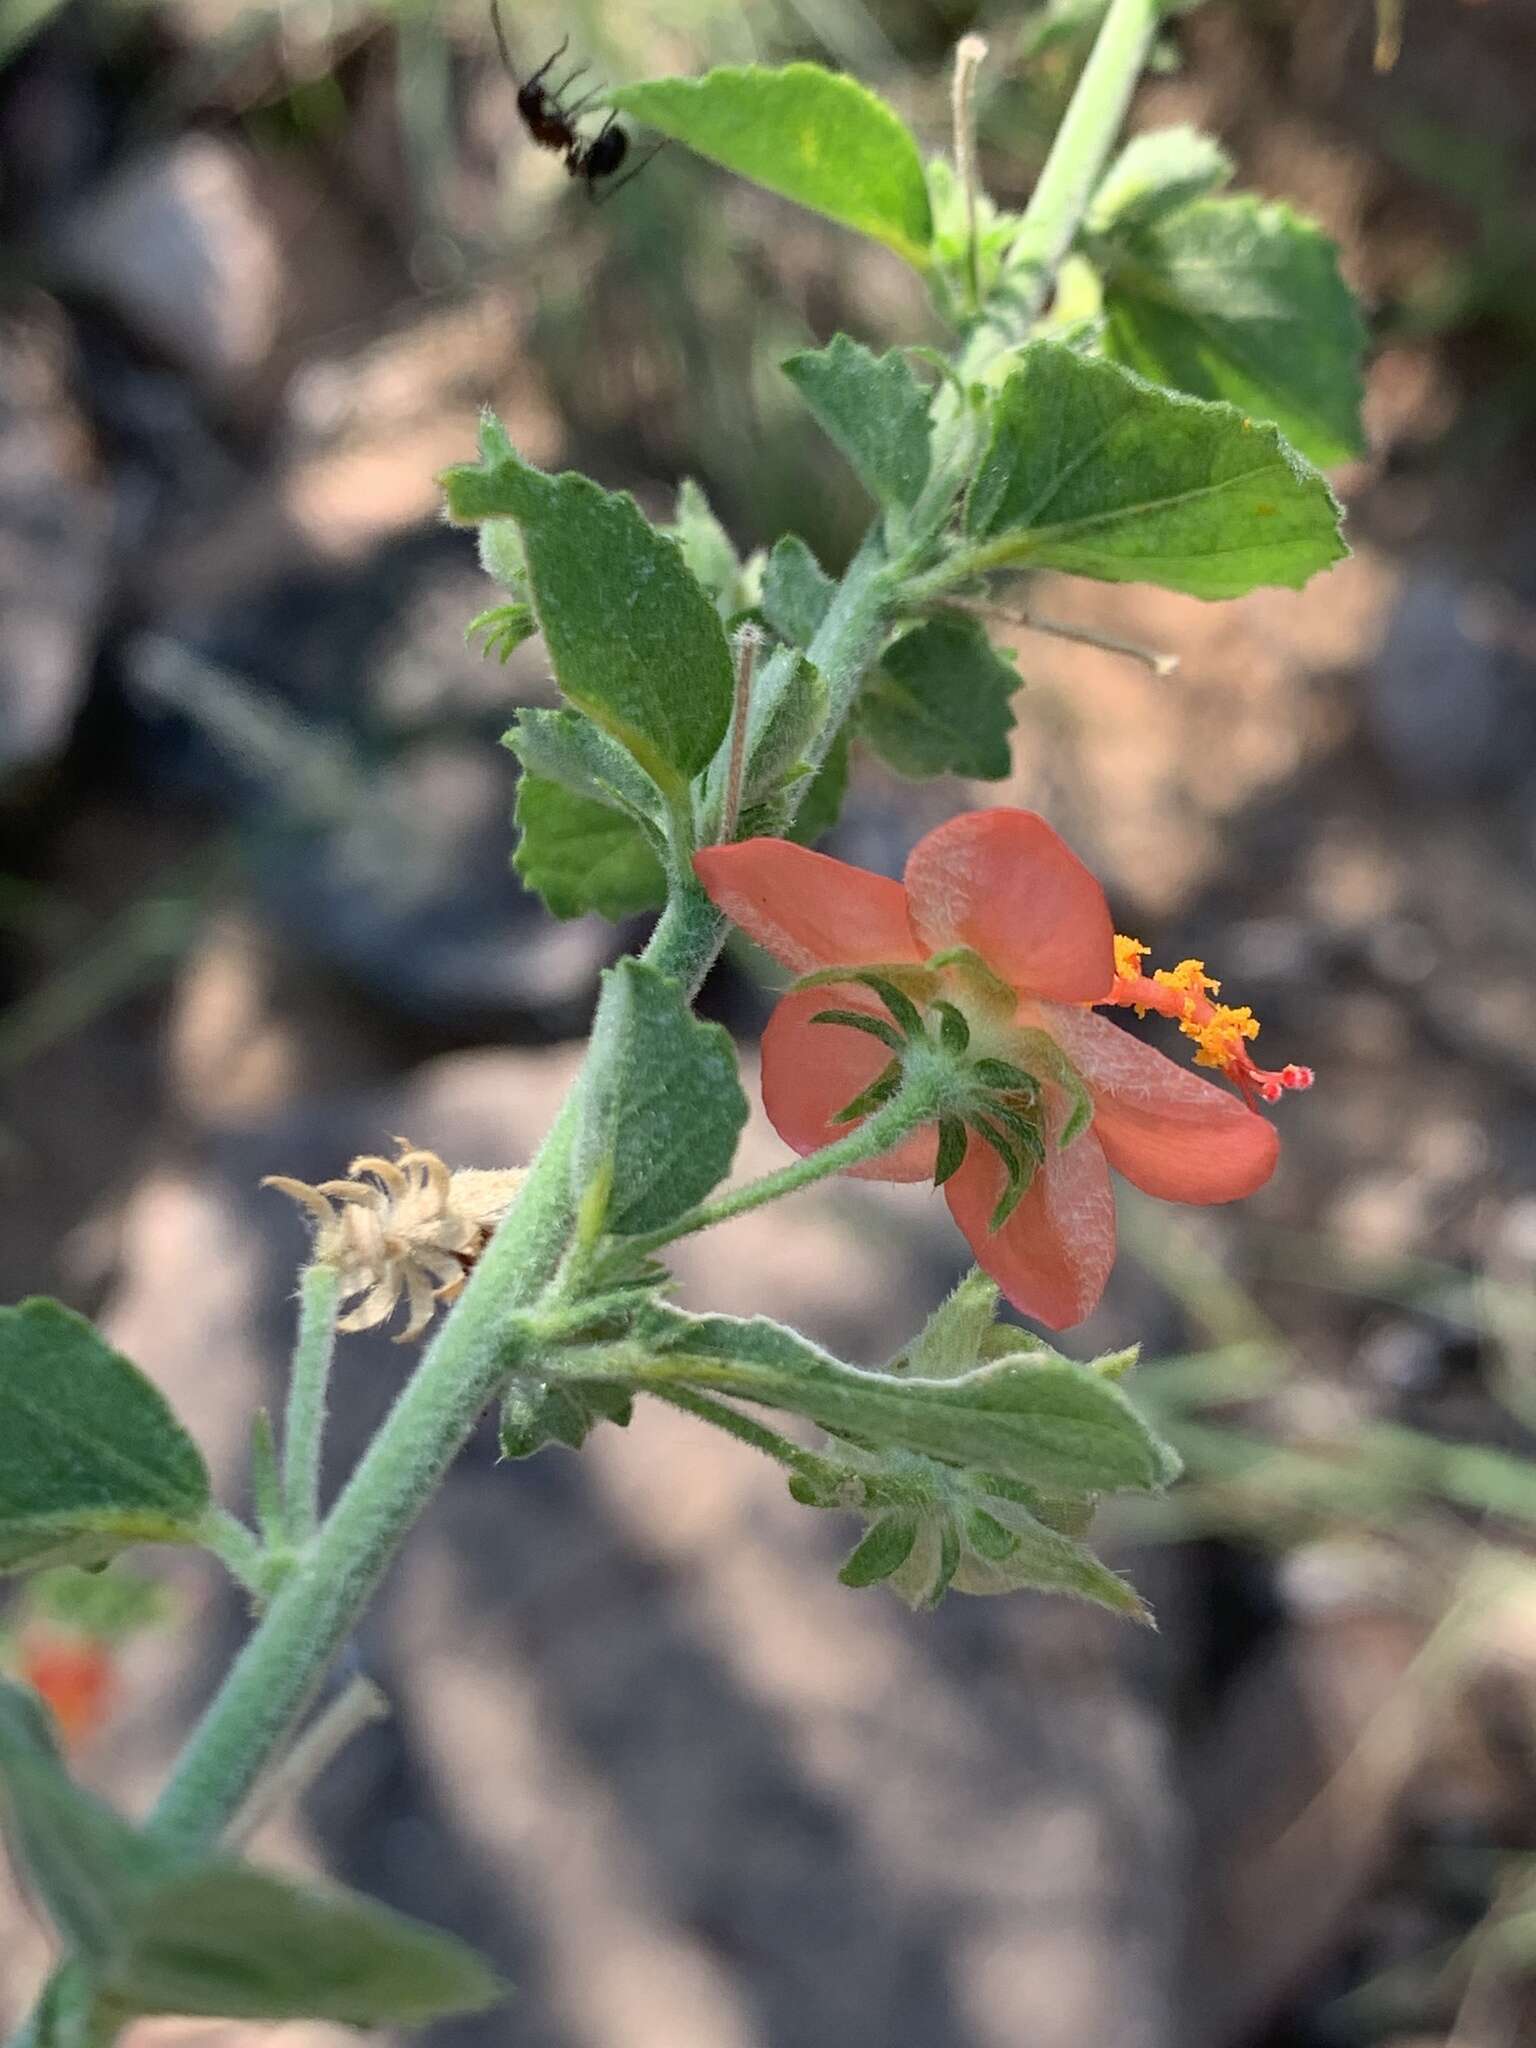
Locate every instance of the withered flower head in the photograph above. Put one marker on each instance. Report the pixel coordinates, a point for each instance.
(402, 1229)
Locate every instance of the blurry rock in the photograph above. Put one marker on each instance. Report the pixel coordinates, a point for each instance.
(1449, 696)
(339, 717)
(414, 896)
(179, 247)
(55, 522)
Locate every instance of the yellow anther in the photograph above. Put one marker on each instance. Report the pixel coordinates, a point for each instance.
(1189, 975)
(1220, 1038)
(1129, 954)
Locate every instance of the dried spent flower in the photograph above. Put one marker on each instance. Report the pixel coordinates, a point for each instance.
(402, 1229)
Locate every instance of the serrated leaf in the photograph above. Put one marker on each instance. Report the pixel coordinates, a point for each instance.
(940, 703)
(1092, 470)
(565, 747)
(797, 591)
(1234, 299)
(659, 1107)
(707, 548)
(635, 641)
(580, 855)
(874, 409)
(91, 1457)
(1049, 1424)
(1156, 174)
(812, 135)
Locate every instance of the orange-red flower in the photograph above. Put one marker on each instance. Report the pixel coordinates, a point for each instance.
(75, 1674)
(999, 919)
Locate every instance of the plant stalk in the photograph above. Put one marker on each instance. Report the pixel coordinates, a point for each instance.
(1088, 132)
(308, 1380)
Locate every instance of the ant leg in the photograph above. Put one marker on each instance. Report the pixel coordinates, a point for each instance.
(586, 100)
(558, 54)
(557, 92)
(602, 198)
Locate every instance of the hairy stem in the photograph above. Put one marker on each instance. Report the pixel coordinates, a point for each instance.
(1088, 132)
(917, 1104)
(720, 1415)
(308, 1380)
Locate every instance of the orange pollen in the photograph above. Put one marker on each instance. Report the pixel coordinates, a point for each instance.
(1220, 1031)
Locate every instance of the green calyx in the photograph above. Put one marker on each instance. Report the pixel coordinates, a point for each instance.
(983, 1095)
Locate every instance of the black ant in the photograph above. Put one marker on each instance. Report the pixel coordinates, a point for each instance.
(550, 124)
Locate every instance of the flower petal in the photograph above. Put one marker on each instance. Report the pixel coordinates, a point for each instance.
(810, 1071)
(806, 909)
(1168, 1131)
(1002, 882)
(1053, 1255)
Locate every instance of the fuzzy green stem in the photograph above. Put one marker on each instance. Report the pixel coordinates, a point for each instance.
(241, 1555)
(720, 1415)
(917, 1104)
(1088, 132)
(308, 1381)
(970, 54)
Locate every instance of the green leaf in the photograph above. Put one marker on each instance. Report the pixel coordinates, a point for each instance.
(812, 135)
(159, 1933)
(1040, 1419)
(797, 592)
(660, 1106)
(91, 1457)
(1093, 470)
(1156, 174)
(940, 703)
(874, 409)
(886, 1547)
(565, 747)
(84, 1861)
(784, 726)
(221, 1940)
(707, 548)
(535, 1413)
(1234, 299)
(934, 1529)
(580, 855)
(954, 212)
(504, 628)
(635, 641)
